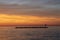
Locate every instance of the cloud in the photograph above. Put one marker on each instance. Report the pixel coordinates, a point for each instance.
(33, 3)
(54, 2)
(37, 8)
(34, 12)
(47, 8)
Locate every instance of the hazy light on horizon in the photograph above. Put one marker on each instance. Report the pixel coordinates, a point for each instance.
(27, 12)
(25, 20)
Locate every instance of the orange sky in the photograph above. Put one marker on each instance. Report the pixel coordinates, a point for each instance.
(29, 12)
(26, 20)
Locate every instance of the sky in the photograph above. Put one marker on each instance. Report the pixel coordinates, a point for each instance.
(29, 12)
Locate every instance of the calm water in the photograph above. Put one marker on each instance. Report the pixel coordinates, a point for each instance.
(10, 33)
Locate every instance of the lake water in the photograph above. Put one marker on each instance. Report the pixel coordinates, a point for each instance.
(10, 33)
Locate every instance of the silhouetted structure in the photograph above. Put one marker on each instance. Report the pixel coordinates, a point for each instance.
(45, 25)
(30, 27)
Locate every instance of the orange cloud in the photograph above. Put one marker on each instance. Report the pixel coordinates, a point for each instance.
(26, 20)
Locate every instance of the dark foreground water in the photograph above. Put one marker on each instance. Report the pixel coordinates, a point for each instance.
(10, 33)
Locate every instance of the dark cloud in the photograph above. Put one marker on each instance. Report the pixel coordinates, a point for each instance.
(33, 3)
(54, 2)
(35, 12)
(30, 2)
(47, 8)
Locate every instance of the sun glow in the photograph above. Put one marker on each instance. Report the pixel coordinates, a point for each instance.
(24, 20)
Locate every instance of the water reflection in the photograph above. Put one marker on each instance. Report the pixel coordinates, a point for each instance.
(52, 33)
